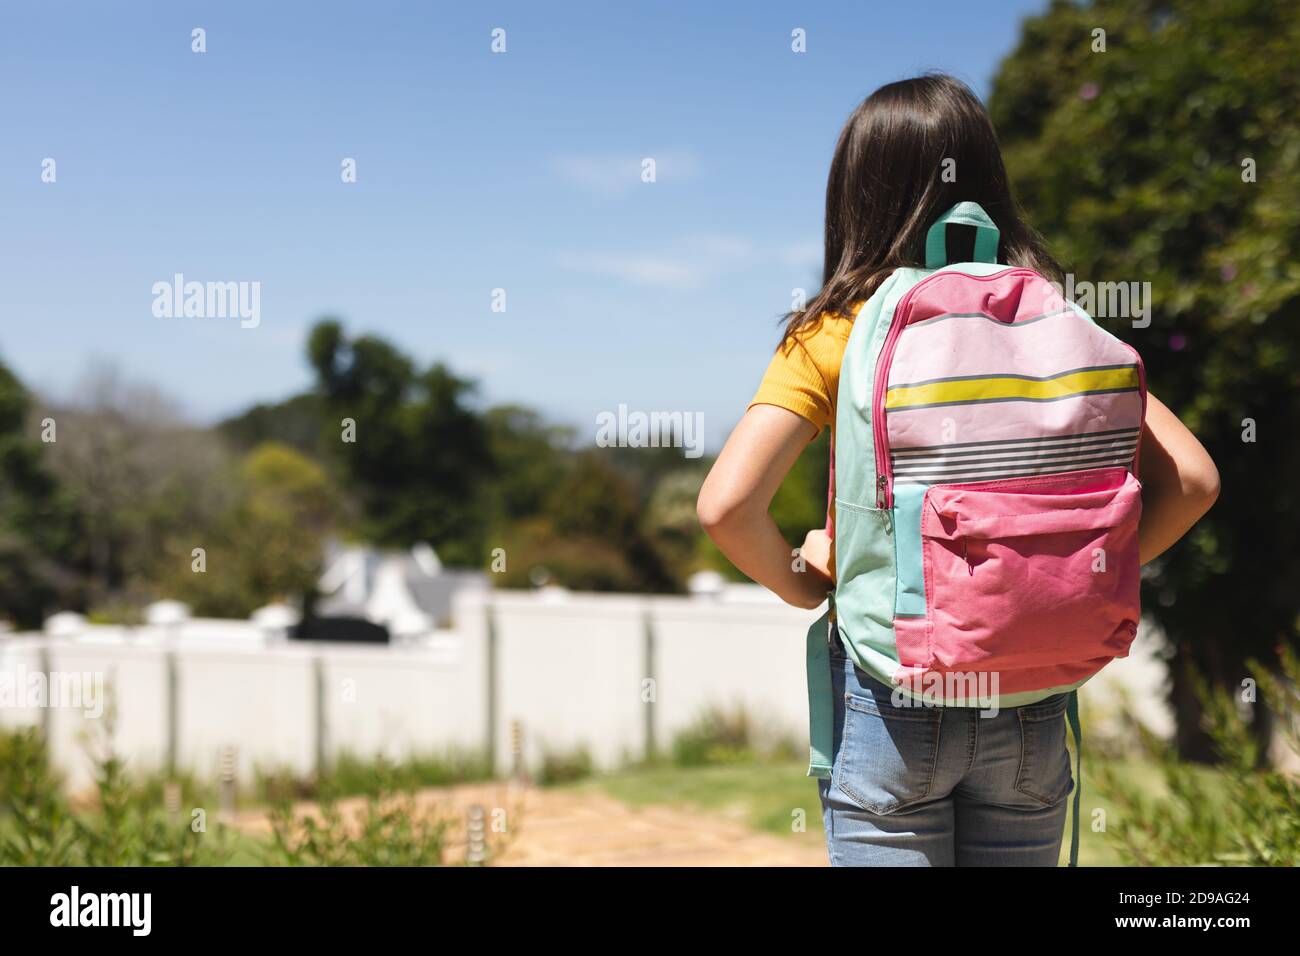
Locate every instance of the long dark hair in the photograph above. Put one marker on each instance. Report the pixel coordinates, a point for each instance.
(886, 187)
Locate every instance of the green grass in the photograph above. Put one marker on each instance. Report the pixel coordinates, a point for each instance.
(765, 795)
(1097, 849)
(762, 794)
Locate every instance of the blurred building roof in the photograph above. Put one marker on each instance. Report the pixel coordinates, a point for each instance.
(409, 592)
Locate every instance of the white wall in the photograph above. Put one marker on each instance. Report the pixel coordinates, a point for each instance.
(398, 701)
(709, 653)
(261, 702)
(570, 672)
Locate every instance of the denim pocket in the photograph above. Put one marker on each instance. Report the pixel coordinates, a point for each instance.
(1044, 774)
(887, 754)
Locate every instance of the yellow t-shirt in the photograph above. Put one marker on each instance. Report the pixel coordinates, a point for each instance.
(804, 374)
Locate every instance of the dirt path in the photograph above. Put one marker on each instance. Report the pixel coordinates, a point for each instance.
(589, 828)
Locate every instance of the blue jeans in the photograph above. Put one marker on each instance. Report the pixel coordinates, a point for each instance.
(935, 786)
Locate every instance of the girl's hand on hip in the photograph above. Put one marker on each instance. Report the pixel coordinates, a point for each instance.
(817, 552)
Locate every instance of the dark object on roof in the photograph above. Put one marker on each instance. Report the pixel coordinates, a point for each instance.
(354, 629)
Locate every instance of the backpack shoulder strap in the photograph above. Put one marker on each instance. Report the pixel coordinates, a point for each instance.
(830, 491)
(1072, 715)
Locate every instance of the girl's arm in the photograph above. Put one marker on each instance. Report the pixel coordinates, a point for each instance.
(733, 504)
(1179, 480)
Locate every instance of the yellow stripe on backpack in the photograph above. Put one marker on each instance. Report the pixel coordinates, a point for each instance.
(999, 388)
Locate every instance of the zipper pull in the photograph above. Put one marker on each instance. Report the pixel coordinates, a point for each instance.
(880, 491)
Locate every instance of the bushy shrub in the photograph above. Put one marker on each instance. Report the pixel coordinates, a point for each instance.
(385, 830)
(354, 774)
(389, 826)
(121, 826)
(1242, 811)
(728, 736)
(564, 766)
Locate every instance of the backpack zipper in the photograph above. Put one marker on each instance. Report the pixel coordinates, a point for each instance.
(884, 467)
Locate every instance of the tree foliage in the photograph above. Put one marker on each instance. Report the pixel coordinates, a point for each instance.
(39, 527)
(1137, 164)
(589, 535)
(295, 422)
(136, 474)
(268, 546)
(418, 458)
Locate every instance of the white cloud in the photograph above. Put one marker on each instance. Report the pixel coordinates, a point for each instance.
(687, 264)
(637, 269)
(615, 174)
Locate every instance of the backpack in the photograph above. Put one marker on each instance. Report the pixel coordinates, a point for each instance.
(984, 493)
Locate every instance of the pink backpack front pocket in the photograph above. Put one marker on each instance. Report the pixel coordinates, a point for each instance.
(1034, 579)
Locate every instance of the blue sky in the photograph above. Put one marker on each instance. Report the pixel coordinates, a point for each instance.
(475, 171)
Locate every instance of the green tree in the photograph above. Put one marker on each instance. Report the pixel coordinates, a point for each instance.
(590, 536)
(419, 459)
(529, 457)
(136, 474)
(297, 422)
(671, 522)
(269, 546)
(1174, 158)
(39, 528)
